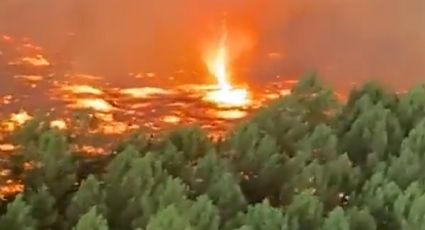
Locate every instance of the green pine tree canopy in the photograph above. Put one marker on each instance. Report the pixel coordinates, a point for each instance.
(305, 162)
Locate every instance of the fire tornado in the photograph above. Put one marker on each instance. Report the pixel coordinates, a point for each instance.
(218, 64)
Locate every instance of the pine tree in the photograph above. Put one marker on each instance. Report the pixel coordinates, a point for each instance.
(43, 208)
(361, 219)
(54, 165)
(139, 141)
(411, 108)
(407, 167)
(206, 171)
(169, 218)
(374, 129)
(88, 195)
(322, 143)
(378, 194)
(331, 181)
(120, 165)
(305, 212)
(92, 221)
(212, 177)
(291, 118)
(29, 134)
(203, 215)
(259, 162)
(174, 161)
(415, 141)
(375, 93)
(18, 216)
(117, 196)
(259, 217)
(404, 201)
(227, 196)
(336, 220)
(416, 218)
(139, 177)
(170, 192)
(192, 142)
(245, 227)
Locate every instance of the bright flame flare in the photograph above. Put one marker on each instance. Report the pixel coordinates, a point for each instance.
(218, 66)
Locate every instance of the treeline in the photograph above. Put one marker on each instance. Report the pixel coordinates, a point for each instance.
(305, 162)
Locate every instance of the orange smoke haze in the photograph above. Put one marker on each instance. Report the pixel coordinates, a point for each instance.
(345, 40)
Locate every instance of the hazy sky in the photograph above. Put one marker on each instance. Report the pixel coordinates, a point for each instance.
(345, 40)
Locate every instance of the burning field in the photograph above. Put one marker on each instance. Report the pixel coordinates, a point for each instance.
(97, 112)
(33, 84)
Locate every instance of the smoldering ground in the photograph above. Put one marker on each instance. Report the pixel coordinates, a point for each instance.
(345, 40)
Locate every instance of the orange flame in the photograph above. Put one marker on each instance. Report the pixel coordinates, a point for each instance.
(96, 104)
(218, 65)
(59, 124)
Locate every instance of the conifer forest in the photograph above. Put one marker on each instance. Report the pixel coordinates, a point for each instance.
(307, 161)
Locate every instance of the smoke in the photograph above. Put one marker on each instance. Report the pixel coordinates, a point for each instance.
(344, 40)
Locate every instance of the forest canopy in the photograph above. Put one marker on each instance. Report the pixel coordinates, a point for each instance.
(305, 162)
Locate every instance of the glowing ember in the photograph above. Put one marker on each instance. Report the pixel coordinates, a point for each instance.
(90, 150)
(6, 99)
(7, 38)
(104, 117)
(7, 147)
(230, 114)
(143, 92)
(285, 92)
(20, 118)
(16, 120)
(31, 78)
(292, 82)
(32, 46)
(39, 60)
(85, 76)
(10, 189)
(83, 89)
(171, 119)
(59, 124)
(116, 127)
(218, 65)
(93, 103)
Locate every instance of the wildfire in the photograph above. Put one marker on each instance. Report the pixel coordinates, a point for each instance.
(143, 92)
(30, 78)
(7, 147)
(83, 89)
(96, 104)
(37, 61)
(59, 124)
(20, 118)
(218, 66)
